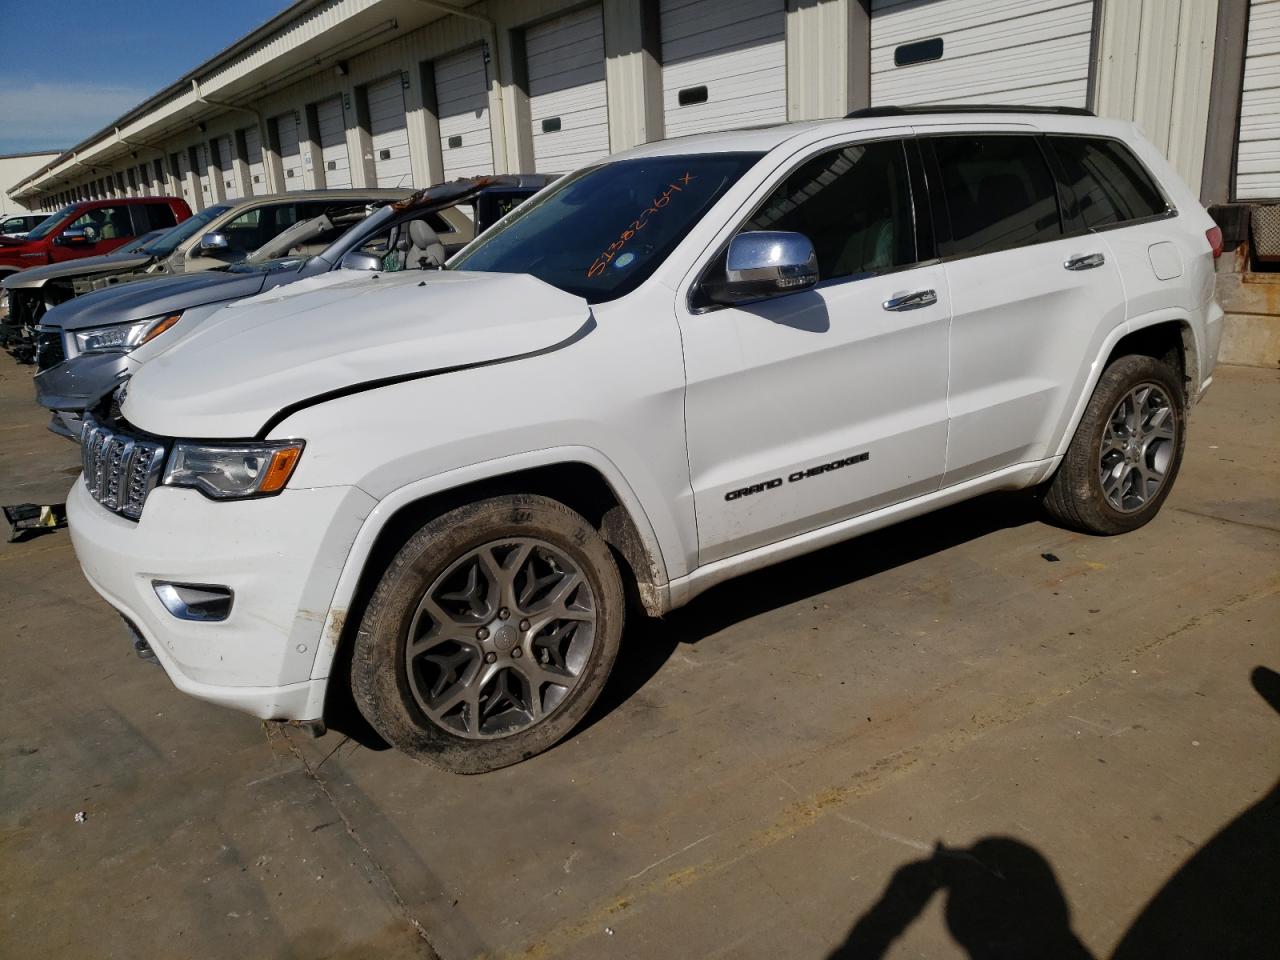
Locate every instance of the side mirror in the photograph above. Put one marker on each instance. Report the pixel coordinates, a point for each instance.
(766, 263)
(358, 260)
(79, 237)
(214, 242)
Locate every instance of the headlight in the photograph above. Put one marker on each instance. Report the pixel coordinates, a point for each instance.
(123, 337)
(227, 471)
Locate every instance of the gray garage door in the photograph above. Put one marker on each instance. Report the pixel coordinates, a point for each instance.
(998, 51)
(333, 143)
(462, 104)
(567, 104)
(257, 167)
(724, 65)
(390, 135)
(1258, 158)
(290, 155)
(227, 161)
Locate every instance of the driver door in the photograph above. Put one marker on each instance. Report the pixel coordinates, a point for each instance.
(811, 407)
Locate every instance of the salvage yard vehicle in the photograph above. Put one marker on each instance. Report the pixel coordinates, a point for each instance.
(433, 492)
(17, 226)
(85, 347)
(89, 228)
(214, 238)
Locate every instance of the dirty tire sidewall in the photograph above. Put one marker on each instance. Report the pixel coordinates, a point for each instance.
(379, 680)
(1074, 496)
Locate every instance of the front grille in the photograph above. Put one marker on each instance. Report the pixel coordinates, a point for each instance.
(49, 349)
(119, 470)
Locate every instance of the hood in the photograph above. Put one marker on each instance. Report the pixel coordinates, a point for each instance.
(84, 266)
(341, 332)
(153, 298)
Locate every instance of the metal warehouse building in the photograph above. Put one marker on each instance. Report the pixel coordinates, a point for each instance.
(411, 92)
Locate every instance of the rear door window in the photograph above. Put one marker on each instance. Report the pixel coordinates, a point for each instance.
(998, 192)
(1110, 184)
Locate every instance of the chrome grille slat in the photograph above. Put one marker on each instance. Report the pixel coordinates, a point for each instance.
(119, 470)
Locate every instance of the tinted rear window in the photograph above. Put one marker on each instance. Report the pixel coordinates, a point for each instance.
(1110, 184)
(998, 193)
(160, 215)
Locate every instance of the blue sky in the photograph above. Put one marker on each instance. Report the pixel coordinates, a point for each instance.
(76, 65)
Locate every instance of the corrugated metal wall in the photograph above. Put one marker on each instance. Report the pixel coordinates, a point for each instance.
(1258, 157)
(1155, 63)
(1150, 61)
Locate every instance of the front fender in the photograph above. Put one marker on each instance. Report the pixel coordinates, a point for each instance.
(391, 503)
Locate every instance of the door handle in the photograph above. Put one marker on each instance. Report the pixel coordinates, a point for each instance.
(911, 301)
(1086, 261)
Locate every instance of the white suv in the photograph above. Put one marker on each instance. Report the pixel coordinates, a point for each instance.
(435, 491)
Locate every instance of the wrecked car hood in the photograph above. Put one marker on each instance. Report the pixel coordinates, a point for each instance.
(157, 297)
(84, 266)
(341, 331)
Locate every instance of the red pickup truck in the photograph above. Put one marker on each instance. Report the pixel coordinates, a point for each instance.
(88, 229)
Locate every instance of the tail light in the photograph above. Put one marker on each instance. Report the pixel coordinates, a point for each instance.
(1214, 236)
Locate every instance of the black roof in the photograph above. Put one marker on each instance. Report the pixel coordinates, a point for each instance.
(918, 109)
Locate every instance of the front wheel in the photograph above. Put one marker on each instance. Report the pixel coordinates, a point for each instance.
(490, 635)
(1126, 451)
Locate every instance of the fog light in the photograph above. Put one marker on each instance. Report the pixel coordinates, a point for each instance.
(195, 601)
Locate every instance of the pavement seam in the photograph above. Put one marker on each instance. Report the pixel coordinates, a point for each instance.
(389, 886)
(1239, 523)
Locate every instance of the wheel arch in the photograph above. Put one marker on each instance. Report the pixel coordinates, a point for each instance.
(1153, 335)
(582, 479)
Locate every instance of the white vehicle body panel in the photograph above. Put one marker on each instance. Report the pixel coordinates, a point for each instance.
(673, 408)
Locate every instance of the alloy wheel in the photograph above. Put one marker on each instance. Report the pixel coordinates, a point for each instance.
(1138, 445)
(500, 638)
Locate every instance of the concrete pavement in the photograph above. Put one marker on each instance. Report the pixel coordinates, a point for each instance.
(933, 736)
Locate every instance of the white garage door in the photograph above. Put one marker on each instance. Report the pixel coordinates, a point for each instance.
(723, 64)
(227, 161)
(184, 179)
(390, 136)
(202, 173)
(567, 104)
(253, 156)
(998, 51)
(290, 155)
(462, 104)
(1258, 158)
(333, 144)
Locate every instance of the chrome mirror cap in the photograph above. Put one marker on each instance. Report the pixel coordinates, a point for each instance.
(356, 260)
(767, 263)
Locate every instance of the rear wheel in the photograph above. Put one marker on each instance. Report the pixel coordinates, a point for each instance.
(1126, 451)
(490, 635)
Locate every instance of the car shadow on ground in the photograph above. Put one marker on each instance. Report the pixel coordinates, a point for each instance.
(1003, 899)
(648, 643)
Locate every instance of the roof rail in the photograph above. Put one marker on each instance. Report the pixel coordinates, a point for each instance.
(918, 109)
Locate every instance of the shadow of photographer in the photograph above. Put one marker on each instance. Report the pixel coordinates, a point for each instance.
(1004, 900)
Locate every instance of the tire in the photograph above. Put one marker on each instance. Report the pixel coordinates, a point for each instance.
(1120, 488)
(516, 609)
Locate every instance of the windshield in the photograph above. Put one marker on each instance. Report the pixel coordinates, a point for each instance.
(166, 243)
(601, 232)
(45, 227)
